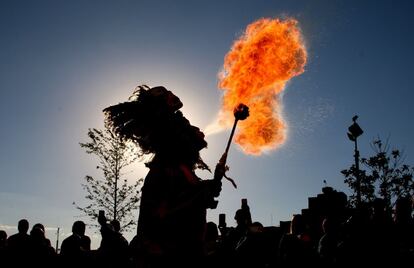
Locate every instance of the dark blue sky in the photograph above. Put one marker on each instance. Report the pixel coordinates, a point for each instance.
(62, 62)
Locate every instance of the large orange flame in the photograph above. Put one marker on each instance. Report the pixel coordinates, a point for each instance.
(255, 72)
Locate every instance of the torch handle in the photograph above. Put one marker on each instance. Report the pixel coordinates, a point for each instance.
(223, 158)
(231, 136)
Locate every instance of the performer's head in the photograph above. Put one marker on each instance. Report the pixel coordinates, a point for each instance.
(152, 119)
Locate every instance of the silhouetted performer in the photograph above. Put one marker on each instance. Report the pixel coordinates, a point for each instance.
(174, 200)
(18, 245)
(75, 249)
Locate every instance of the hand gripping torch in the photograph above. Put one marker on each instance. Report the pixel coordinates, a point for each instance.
(241, 112)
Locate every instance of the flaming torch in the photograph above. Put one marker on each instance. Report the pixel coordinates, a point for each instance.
(255, 72)
(241, 112)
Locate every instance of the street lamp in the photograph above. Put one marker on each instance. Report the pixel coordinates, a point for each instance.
(354, 131)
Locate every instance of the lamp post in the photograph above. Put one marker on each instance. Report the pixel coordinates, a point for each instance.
(354, 131)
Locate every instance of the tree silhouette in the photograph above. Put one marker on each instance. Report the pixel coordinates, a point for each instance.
(386, 176)
(111, 193)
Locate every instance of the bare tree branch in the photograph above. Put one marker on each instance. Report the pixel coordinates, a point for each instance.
(119, 201)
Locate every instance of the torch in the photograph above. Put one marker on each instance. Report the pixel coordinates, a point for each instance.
(241, 112)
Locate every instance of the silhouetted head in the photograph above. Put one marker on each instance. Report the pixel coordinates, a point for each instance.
(256, 227)
(38, 232)
(330, 224)
(211, 231)
(403, 209)
(78, 228)
(151, 119)
(116, 225)
(23, 226)
(3, 236)
(40, 226)
(242, 217)
(378, 207)
(164, 98)
(297, 225)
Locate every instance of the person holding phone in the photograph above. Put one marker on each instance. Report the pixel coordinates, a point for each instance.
(113, 250)
(172, 217)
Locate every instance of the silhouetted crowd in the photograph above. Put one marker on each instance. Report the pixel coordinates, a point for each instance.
(367, 236)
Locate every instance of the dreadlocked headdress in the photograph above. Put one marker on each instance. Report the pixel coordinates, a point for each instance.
(152, 119)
